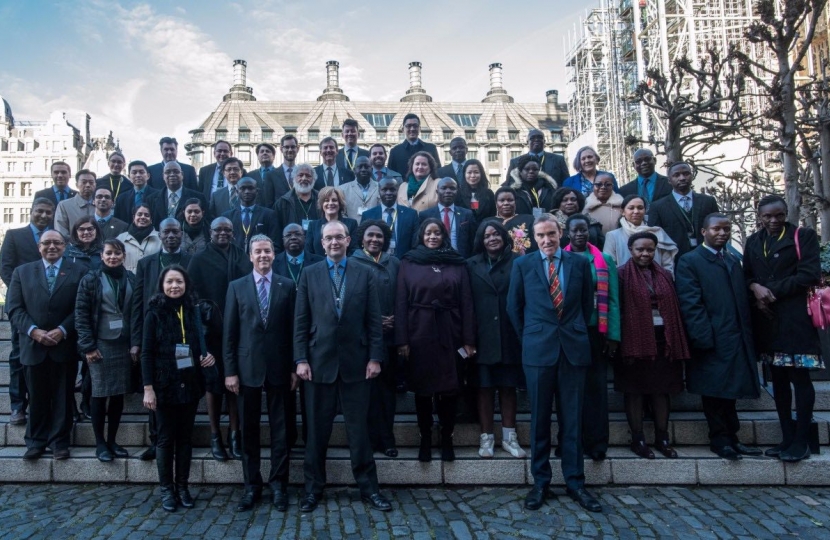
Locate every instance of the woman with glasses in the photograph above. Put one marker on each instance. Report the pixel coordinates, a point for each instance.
(85, 243)
(604, 204)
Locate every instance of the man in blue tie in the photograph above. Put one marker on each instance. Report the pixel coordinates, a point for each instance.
(211, 176)
(129, 200)
(60, 190)
(649, 184)
(347, 156)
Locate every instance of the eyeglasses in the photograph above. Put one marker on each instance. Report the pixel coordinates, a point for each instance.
(86, 229)
(233, 169)
(52, 243)
(329, 239)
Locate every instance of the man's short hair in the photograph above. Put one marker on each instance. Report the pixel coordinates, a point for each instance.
(410, 116)
(305, 166)
(260, 238)
(328, 140)
(42, 201)
(335, 222)
(266, 145)
(85, 171)
(378, 145)
(286, 137)
(233, 160)
(351, 122)
(168, 140)
(137, 163)
(714, 215)
(546, 218)
(220, 141)
(65, 164)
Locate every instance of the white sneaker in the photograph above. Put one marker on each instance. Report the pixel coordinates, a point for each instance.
(485, 445)
(511, 445)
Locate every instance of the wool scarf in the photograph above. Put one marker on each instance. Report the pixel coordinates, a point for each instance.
(602, 286)
(412, 186)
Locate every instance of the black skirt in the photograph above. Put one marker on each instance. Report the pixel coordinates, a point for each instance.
(658, 376)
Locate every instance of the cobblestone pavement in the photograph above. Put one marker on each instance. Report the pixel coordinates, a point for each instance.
(132, 511)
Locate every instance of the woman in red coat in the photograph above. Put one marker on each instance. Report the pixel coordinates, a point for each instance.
(434, 318)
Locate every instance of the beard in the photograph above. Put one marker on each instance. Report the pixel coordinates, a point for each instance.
(303, 190)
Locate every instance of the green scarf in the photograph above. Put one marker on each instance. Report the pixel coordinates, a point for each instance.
(412, 186)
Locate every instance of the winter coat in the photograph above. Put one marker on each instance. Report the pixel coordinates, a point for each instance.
(525, 203)
(88, 307)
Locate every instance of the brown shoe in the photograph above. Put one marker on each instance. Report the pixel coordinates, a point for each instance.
(17, 418)
(61, 454)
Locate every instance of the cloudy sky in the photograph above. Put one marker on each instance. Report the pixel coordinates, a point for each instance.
(148, 69)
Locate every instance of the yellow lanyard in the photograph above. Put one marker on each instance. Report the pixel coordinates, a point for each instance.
(535, 196)
(181, 320)
(114, 190)
(372, 256)
(346, 157)
(780, 236)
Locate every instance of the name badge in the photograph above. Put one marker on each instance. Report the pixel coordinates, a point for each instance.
(693, 242)
(183, 358)
(538, 212)
(305, 224)
(117, 324)
(392, 245)
(656, 317)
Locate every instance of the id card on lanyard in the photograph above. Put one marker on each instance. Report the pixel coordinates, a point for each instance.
(184, 359)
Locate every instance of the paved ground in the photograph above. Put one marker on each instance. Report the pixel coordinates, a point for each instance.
(106, 511)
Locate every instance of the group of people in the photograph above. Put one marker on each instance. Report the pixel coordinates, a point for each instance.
(341, 281)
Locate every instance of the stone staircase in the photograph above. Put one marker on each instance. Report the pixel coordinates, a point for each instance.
(696, 464)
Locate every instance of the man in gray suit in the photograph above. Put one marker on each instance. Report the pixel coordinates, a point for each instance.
(81, 205)
(226, 198)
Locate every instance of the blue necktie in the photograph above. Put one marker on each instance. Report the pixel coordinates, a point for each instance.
(51, 276)
(246, 217)
(262, 293)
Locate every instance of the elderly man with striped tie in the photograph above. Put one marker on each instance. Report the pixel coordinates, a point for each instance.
(550, 302)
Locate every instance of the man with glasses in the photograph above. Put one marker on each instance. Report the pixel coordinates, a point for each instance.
(211, 176)
(20, 246)
(400, 154)
(170, 201)
(552, 164)
(169, 147)
(41, 305)
(110, 225)
(127, 201)
(81, 205)
(280, 180)
(649, 184)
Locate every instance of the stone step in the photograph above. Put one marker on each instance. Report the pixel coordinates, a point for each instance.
(685, 428)
(694, 466)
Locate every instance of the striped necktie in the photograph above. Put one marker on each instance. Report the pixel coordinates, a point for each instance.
(51, 276)
(262, 293)
(555, 287)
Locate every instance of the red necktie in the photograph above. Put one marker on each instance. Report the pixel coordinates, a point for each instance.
(379, 175)
(447, 220)
(555, 288)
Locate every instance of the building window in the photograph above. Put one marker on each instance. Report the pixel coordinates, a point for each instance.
(24, 214)
(470, 136)
(337, 134)
(495, 179)
(245, 156)
(26, 189)
(27, 166)
(244, 135)
(8, 189)
(493, 157)
(8, 215)
(447, 156)
(313, 135)
(466, 120)
(11, 166)
(447, 135)
(197, 136)
(492, 135)
(513, 135)
(267, 135)
(314, 155)
(556, 136)
(379, 119)
(381, 135)
(426, 135)
(515, 153)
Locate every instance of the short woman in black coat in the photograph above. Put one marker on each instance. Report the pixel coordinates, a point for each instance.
(785, 338)
(499, 351)
(174, 387)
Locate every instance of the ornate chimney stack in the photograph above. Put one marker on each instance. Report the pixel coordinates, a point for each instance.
(240, 92)
(333, 92)
(416, 92)
(552, 96)
(497, 92)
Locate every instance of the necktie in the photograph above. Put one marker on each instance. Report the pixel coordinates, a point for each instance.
(51, 276)
(338, 289)
(645, 189)
(447, 224)
(351, 157)
(138, 197)
(290, 180)
(171, 209)
(102, 222)
(720, 254)
(555, 288)
(220, 180)
(234, 197)
(246, 217)
(329, 177)
(262, 293)
(458, 168)
(687, 204)
(61, 195)
(389, 212)
(379, 175)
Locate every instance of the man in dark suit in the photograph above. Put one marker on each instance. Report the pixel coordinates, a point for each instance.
(377, 155)
(403, 220)
(110, 225)
(347, 155)
(280, 180)
(41, 302)
(115, 180)
(649, 184)
(170, 201)
(550, 302)
(455, 168)
(265, 153)
(257, 345)
(146, 285)
(169, 150)
(226, 198)
(682, 214)
(329, 173)
(20, 246)
(299, 205)
(552, 164)
(459, 222)
(250, 219)
(336, 357)
(400, 154)
(60, 190)
(211, 175)
(127, 201)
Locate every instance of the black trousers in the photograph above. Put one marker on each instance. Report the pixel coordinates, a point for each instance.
(595, 404)
(568, 381)
(17, 381)
(250, 404)
(175, 435)
(51, 403)
(291, 415)
(321, 407)
(722, 417)
(381, 418)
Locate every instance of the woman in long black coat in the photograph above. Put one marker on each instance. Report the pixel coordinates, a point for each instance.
(499, 357)
(433, 319)
(784, 335)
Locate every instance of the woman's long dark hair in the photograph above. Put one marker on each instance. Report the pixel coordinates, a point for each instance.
(445, 237)
(73, 234)
(478, 243)
(162, 300)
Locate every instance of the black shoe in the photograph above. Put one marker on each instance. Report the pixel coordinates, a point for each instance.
(425, 451)
(795, 453)
(536, 497)
(185, 498)
(168, 499)
(726, 452)
(775, 451)
(746, 450)
(309, 502)
(378, 502)
(60, 454)
(118, 450)
(33, 453)
(585, 499)
(103, 454)
(557, 452)
(391, 452)
(247, 501)
(216, 447)
(280, 500)
(447, 451)
(149, 454)
(235, 444)
(18, 418)
(597, 456)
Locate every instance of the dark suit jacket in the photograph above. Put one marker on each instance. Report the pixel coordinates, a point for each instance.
(205, 182)
(662, 188)
(290, 210)
(667, 214)
(531, 311)
(29, 303)
(263, 221)
(157, 176)
(406, 226)
(113, 228)
(259, 353)
(341, 162)
(465, 227)
(117, 188)
(49, 193)
(274, 186)
(320, 172)
(158, 204)
(125, 203)
(280, 266)
(19, 247)
(553, 164)
(400, 154)
(447, 171)
(338, 346)
(146, 284)
(220, 202)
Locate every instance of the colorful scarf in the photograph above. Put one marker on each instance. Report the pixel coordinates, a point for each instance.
(602, 286)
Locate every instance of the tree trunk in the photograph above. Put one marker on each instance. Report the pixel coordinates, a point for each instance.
(823, 188)
(786, 138)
